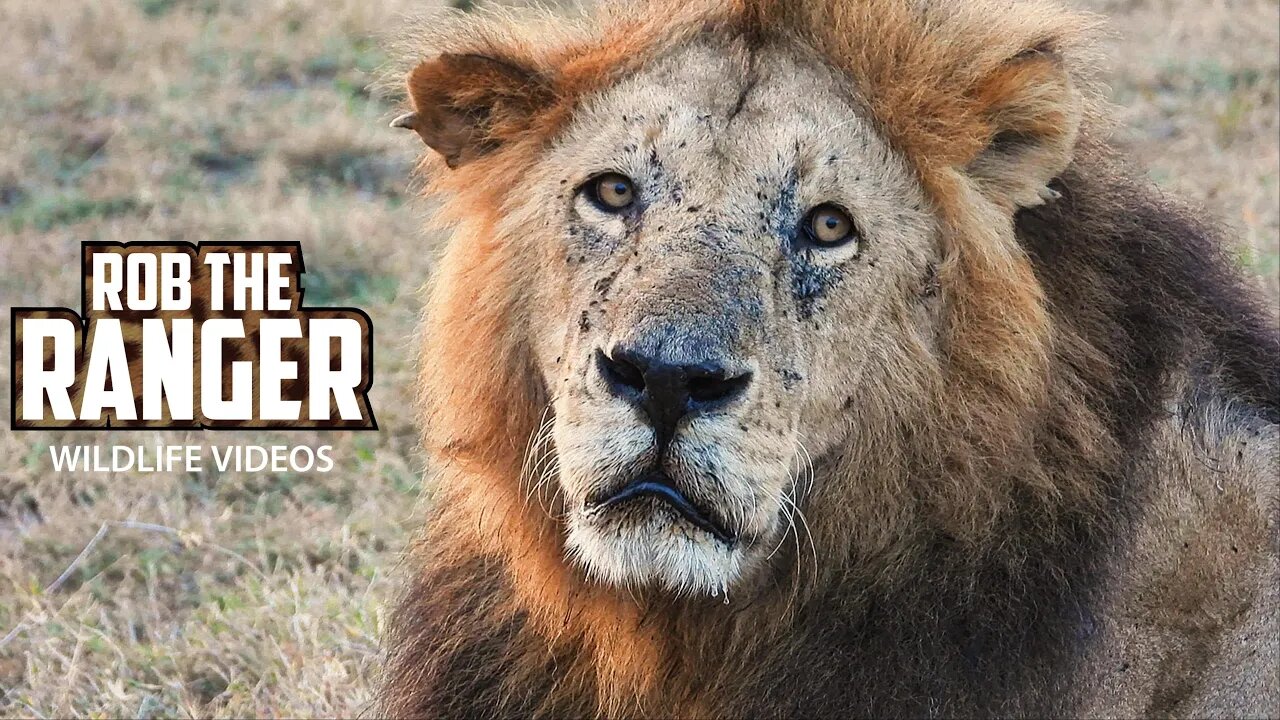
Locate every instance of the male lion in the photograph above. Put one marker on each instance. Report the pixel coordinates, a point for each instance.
(821, 359)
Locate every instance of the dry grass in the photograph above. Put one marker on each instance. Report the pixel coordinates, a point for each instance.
(241, 594)
(1196, 87)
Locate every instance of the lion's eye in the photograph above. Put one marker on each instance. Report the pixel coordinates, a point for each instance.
(828, 225)
(612, 192)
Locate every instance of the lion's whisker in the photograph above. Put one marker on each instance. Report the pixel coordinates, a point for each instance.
(550, 470)
(534, 438)
(808, 459)
(534, 449)
(809, 532)
(790, 526)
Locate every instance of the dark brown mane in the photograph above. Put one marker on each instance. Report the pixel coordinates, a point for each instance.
(1151, 285)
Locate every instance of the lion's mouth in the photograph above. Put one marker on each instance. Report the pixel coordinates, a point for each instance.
(658, 485)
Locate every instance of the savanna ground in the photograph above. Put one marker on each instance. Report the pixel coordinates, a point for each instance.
(239, 594)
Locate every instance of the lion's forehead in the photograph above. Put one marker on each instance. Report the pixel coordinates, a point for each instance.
(742, 130)
(748, 106)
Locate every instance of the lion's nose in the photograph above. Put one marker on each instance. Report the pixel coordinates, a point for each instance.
(668, 389)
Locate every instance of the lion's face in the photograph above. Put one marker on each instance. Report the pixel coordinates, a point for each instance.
(734, 256)
(726, 244)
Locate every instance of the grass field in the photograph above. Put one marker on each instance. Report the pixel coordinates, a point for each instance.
(237, 594)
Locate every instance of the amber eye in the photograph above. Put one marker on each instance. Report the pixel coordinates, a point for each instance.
(828, 225)
(612, 192)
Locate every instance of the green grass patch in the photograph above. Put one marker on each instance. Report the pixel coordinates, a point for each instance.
(46, 212)
(333, 285)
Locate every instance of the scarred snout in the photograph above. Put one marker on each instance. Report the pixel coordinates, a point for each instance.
(670, 475)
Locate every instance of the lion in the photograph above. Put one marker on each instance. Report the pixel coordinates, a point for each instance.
(822, 358)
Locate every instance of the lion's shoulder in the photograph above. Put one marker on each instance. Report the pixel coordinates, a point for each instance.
(1189, 622)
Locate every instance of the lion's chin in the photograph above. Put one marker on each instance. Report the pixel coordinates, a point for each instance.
(654, 547)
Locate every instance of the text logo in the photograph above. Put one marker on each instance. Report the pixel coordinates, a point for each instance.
(175, 335)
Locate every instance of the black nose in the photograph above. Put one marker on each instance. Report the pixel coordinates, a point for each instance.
(669, 390)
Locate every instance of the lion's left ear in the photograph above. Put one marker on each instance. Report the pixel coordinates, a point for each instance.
(1034, 110)
(467, 105)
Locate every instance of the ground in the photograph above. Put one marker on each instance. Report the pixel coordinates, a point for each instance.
(238, 594)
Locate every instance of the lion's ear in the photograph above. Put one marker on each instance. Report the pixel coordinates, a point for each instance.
(1034, 110)
(467, 105)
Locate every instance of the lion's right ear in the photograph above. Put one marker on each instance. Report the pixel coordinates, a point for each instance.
(465, 106)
